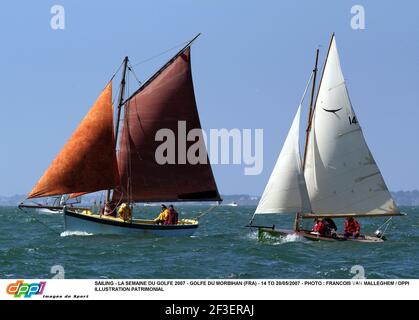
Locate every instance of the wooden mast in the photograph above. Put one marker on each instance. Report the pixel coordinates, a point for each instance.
(310, 114)
(120, 104)
(310, 117)
(313, 105)
(310, 110)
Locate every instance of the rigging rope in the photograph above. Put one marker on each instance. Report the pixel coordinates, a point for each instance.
(130, 68)
(116, 72)
(306, 89)
(386, 224)
(207, 211)
(159, 54)
(40, 222)
(117, 94)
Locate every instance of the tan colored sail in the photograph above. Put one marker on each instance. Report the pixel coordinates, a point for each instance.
(76, 195)
(87, 163)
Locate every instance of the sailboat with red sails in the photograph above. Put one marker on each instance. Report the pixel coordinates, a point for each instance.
(101, 156)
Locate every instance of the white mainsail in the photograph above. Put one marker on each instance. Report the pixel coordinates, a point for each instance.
(286, 191)
(340, 171)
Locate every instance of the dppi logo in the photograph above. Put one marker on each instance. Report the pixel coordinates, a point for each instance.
(27, 290)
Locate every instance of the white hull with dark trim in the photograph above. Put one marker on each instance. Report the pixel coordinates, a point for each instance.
(95, 224)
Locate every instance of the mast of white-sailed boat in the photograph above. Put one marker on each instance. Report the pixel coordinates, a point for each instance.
(312, 102)
(297, 221)
(120, 104)
(312, 106)
(310, 110)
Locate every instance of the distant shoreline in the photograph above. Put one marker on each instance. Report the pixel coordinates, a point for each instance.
(402, 198)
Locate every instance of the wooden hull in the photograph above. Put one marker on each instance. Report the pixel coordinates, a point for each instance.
(314, 237)
(94, 224)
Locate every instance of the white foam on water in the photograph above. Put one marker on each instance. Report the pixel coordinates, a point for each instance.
(75, 234)
(276, 240)
(292, 238)
(253, 235)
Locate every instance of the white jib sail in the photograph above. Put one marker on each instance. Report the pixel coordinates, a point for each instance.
(340, 171)
(286, 191)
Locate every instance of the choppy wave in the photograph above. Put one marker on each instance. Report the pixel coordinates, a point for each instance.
(75, 234)
(277, 240)
(222, 244)
(292, 238)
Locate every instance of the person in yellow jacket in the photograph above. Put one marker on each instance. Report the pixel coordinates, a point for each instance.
(124, 212)
(164, 212)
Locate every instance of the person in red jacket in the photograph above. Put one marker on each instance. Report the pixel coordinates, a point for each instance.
(172, 217)
(319, 226)
(352, 228)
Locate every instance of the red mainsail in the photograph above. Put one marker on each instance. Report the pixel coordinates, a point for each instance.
(87, 163)
(167, 98)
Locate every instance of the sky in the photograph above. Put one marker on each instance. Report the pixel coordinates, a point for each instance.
(250, 67)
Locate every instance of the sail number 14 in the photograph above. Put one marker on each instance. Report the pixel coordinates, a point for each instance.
(353, 120)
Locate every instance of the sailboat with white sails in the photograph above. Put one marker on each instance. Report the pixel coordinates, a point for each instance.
(91, 161)
(337, 177)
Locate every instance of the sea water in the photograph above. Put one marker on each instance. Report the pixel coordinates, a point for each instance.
(34, 245)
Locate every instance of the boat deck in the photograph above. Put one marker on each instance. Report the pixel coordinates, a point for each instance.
(88, 213)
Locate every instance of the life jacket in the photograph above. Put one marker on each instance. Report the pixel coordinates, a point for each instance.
(319, 227)
(124, 212)
(162, 216)
(352, 226)
(172, 217)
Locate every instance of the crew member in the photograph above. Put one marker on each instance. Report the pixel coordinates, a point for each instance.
(162, 216)
(352, 228)
(172, 217)
(319, 226)
(330, 227)
(124, 212)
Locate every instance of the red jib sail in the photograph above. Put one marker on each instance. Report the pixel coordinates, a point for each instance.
(167, 98)
(87, 163)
